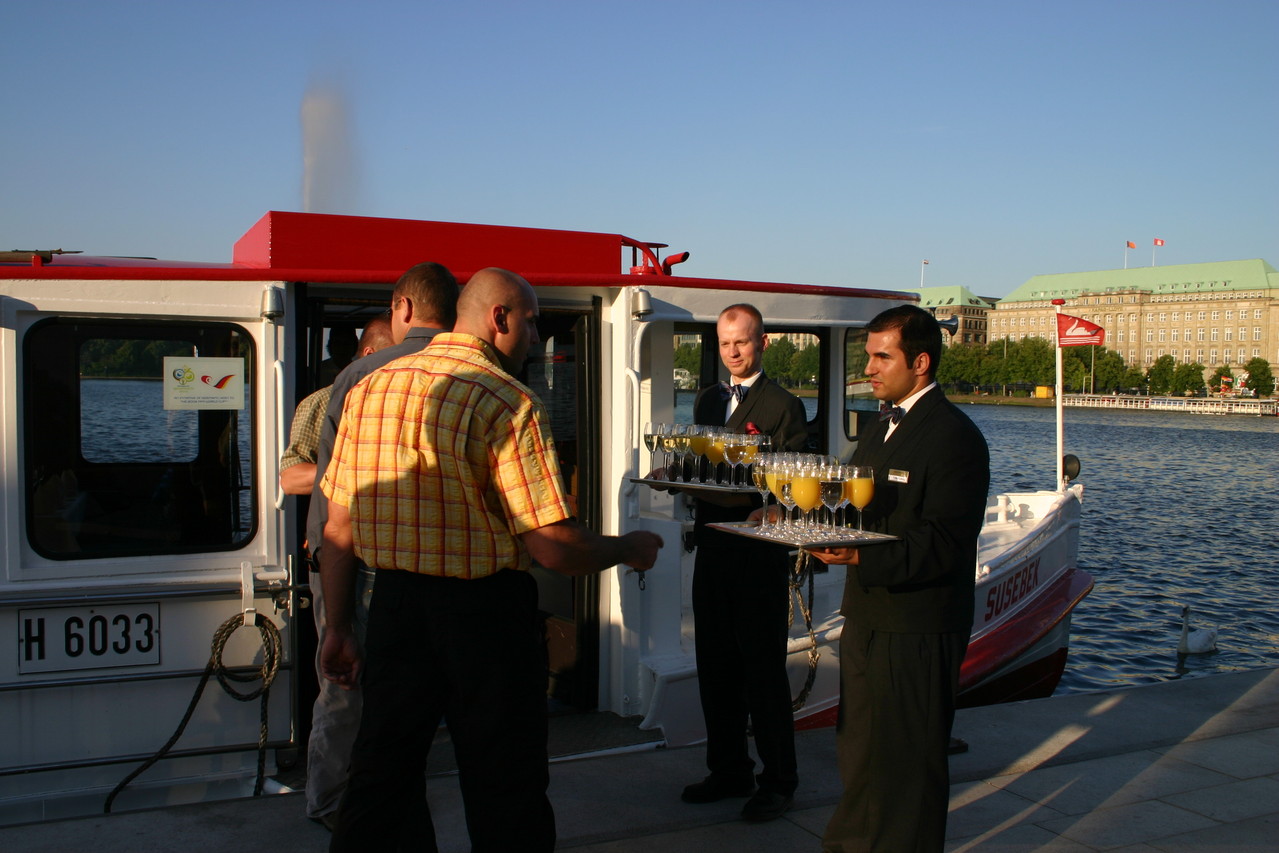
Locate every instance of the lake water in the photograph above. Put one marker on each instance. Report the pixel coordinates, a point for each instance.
(1178, 509)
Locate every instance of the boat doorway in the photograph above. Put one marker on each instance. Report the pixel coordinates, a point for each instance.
(564, 371)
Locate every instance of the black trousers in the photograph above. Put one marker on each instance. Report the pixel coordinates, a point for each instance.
(897, 706)
(740, 616)
(469, 652)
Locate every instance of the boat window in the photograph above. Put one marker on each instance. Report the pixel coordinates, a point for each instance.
(859, 402)
(793, 358)
(138, 438)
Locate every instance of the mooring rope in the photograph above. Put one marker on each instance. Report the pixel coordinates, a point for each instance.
(272, 654)
(803, 569)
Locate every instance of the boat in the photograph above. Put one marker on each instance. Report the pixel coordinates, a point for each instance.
(145, 404)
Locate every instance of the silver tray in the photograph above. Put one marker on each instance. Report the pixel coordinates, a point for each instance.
(680, 485)
(848, 538)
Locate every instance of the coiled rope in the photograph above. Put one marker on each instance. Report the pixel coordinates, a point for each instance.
(803, 570)
(272, 654)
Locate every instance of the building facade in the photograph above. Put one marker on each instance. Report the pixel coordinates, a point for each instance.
(972, 310)
(1216, 314)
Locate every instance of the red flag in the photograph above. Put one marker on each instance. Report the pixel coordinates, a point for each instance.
(1132, 245)
(1076, 332)
(1158, 242)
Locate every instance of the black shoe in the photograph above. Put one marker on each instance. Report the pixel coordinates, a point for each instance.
(712, 789)
(766, 805)
(957, 746)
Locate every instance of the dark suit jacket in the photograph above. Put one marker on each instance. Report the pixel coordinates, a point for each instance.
(931, 479)
(775, 412)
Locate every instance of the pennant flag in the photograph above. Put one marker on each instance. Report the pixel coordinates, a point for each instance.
(925, 261)
(1077, 332)
(1132, 245)
(1158, 242)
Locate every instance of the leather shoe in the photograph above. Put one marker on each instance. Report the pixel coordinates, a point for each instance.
(712, 789)
(766, 805)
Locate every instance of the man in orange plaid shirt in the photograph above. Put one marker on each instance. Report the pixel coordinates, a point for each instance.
(445, 478)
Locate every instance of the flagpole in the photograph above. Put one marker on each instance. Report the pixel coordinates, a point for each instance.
(922, 264)
(1061, 443)
(1125, 256)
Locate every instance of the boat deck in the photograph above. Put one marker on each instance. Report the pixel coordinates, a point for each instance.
(1181, 765)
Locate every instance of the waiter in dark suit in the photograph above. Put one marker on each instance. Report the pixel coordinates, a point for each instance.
(908, 605)
(740, 594)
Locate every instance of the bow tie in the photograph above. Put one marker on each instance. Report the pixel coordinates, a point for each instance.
(738, 392)
(887, 412)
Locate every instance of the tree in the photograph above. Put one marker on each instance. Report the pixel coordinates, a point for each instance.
(777, 361)
(689, 357)
(1187, 379)
(961, 366)
(1260, 378)
(1033, 361)
(1160, 375)
(806, 364)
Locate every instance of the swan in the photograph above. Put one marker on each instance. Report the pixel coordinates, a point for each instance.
(1198, 641)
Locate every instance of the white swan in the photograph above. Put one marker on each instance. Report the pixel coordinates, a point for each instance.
(1198, 641)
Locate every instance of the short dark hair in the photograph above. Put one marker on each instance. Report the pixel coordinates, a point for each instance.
(918, 330)
(433, 289)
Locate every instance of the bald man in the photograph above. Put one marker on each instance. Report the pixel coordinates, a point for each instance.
(445, 479)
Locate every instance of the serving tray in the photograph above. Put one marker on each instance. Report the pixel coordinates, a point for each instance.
(680, 485)
(841, 538)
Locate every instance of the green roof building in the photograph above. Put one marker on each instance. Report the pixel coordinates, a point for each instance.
(1222, 313)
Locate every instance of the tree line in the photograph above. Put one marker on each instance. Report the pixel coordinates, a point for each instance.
(786, 364)
(1085, 369)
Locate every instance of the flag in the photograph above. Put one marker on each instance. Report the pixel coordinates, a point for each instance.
(925, 261)
(1227, 380)
(1132, 245)
(1076, 332)
(1158, 242)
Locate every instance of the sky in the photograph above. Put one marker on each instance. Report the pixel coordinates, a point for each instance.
(836, 143)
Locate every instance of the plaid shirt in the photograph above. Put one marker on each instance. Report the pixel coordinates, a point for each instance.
(304, 434)
(443, 460)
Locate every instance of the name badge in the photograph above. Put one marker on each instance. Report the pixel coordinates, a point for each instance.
(897, 476)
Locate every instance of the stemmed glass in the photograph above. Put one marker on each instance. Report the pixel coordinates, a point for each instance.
(859, 488)
(734, 455)
(779, 478)
(759, 476)
(715, 449)
(651, 440)
(806, 490)
(832, 489)
(697, 442)
(680, 444)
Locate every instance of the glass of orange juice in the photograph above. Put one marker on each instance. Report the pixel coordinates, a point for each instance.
(859, 488)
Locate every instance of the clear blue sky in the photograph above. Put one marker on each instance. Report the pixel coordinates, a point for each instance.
(814, 141)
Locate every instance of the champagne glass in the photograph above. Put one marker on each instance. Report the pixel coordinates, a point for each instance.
(786, 496)
(734, 453)
(806, 489)
(759, 476)
(697, 441)
(650, 442)
(860, 488)
(679, 444)
(779, 477)
(715, 450)
(832, 490)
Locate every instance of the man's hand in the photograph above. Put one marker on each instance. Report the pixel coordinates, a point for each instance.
(837, 556)
(643, 545)
(340, 658)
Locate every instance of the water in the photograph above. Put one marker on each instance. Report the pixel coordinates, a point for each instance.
(1178, 509)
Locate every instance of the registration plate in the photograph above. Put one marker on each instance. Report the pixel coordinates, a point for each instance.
(58, 639)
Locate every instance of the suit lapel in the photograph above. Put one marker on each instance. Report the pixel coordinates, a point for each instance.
(753, 398)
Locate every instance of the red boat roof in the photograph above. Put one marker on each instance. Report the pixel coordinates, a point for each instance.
(285, 246)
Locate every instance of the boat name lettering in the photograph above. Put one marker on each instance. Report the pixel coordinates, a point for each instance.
(1012, 590)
